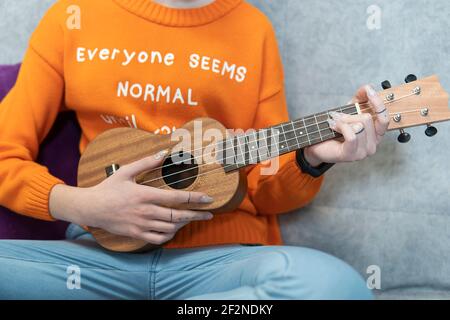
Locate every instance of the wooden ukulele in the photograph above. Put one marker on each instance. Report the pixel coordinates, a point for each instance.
(418, 102)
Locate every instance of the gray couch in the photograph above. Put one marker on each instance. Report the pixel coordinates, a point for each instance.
(391, 210)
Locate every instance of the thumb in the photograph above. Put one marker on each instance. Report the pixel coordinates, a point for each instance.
(133, 169)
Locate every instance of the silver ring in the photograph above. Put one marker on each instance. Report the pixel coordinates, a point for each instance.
(362, 129)
(380, 112)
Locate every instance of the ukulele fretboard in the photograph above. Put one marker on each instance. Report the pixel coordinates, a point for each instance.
(259, 145)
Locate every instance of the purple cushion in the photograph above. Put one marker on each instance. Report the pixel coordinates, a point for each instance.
(59, 152)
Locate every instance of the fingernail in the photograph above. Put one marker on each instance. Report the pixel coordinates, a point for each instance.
(370, 91)
(206, 199)
(357, 127)
(331, 123)
(160, 154)
(209, 216)
(335, 115)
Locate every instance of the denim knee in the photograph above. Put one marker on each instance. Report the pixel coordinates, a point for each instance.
(302, 273)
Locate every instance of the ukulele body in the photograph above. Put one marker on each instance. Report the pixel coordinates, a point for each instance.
(121, 146)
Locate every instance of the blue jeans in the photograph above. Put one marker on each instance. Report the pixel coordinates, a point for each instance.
(77, 268)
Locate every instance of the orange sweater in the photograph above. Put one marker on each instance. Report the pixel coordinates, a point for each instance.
(137, 63)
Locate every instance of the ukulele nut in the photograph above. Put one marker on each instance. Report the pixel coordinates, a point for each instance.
(424, 112)
(390, 97)
(397, 117)
(416, 90)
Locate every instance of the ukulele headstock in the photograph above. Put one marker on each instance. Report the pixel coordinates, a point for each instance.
(418, 102)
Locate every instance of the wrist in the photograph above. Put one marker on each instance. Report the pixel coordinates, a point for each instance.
(66, 203)
(311, 158)
(308, 168)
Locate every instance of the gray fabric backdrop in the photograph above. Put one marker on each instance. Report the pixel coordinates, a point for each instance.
(391, 210)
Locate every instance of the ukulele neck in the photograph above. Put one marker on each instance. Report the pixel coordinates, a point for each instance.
(264, 144)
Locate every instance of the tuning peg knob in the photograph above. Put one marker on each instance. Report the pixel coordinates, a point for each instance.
(430, 131)
(386, 84)
(410, 78)
(403, 137)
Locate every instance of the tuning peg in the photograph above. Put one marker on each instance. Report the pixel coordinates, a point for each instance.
(403, 137)
(386, 85)
(430, 131)
(410, 78)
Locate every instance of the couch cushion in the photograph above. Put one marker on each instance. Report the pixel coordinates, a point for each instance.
(62, 140)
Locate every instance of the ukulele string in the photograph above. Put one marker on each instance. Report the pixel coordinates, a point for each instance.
(304, 127)
(322, 130)
(226, 166)
(245, 153)
(211, 171)
(232, 148)
(289, 131)
(261, 139)
(362, 107)
(199, 175)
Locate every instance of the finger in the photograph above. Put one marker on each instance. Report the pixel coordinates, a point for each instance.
(155, 237)
(350, 144)
(161, 226)
(190, 215)
(376, 102)
(177, 215)
(133, 169)
(381, 112)
(359, 129)
(361, 137)
(369, 128)
(368, 94)
(174, 197)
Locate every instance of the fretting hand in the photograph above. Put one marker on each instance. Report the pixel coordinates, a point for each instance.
(361, 133)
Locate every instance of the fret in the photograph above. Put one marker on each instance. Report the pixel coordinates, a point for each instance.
(306, 131)
(291, 139)
(276, 141)
(295, 134)
(312, 130)
(318, 128)
(248, 155)
(300, 133)
(263, 145)
(240, 150)
(252, 146)
(323, 125)
(257, 144)
(348, 109)
(284, 147)
(231, 154)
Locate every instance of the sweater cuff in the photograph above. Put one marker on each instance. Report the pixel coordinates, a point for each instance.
(308, 169)
(37, 196)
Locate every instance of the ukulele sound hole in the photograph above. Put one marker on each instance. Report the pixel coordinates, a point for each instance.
(179, 170)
